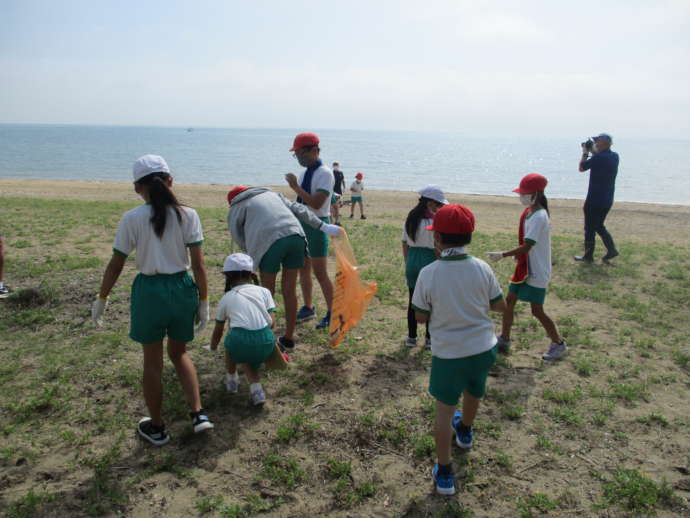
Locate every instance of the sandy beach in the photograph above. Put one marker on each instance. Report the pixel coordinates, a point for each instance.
(644, 222)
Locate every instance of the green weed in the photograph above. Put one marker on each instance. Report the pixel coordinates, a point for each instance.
(282, 470)
(637, 493)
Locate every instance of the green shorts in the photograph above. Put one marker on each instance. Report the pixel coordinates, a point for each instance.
(289, 251)
(528, 293)
(356, 199)
(163, 305)
(417, 258)
(451, 377)
(250, 346)
(317, 240)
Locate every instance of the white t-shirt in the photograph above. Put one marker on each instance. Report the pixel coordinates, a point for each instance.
(424, 237)
(538, 231)
(457, 292)
(155, 255)
(321, 180)
(356, 188)
(246, 306)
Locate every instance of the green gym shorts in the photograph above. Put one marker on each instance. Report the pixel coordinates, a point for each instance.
(417, 258)
(451, 377)
(163, 305)
(289, 251)
(316, 240)
(528, 293)
(356, 199)
(250, 346)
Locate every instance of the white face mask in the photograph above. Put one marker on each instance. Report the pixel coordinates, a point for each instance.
(526, 199)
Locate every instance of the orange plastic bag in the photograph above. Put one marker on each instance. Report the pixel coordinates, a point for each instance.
(352, 296)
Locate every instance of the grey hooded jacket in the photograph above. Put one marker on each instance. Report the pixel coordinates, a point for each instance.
(258, 217)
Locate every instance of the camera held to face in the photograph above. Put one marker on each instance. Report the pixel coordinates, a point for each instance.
(588, 145)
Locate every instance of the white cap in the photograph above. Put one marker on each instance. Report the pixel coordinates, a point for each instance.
(148, 164)
(238, 263)
(433, 192)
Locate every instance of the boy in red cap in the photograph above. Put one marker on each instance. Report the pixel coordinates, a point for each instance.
(356, 189)
(455, 295)
(533, 265)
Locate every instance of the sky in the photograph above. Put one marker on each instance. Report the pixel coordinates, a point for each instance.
(486, 68)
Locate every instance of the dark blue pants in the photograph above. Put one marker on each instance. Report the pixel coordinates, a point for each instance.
(594, 224)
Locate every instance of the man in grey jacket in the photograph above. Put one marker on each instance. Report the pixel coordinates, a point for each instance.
(266, 225)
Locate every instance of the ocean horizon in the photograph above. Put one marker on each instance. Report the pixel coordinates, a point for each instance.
(651, 171)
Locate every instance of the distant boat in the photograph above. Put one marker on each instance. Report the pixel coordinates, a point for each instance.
(189, 130)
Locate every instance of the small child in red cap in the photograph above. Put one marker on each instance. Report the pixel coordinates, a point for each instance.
(533, 265)
(455, 294)
(356, 189)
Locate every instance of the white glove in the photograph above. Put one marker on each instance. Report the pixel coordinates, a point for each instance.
(331, 230)
(495, 256)
(207, 347)
(201, 316)
(97, 310)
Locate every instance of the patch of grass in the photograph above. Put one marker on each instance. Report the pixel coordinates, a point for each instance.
(347, 492)
(282, 470)
(584, 366)
(653, 419)
(681, 359)
(208, 504)
(538, 501)
(27, 506)
(629, 391)
(637, 493)
(27, 408)
(566, 415)
(423, 446)
(104, 494)
(295, 426)
(546, 444)
(566, 398)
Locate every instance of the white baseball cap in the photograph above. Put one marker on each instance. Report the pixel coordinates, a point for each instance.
(147, 164)
(238, 263)
(433, 192)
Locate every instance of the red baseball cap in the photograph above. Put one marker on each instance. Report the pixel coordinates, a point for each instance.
(305, 140)
(235, 191)
(359, 176)
(453, 219)
(531, 183)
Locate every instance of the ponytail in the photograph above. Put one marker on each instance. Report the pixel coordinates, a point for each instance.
(414, 217)
(541, 200)
(234, 278)
(160, 197)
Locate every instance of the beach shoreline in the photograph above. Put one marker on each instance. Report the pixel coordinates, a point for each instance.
(647, 222)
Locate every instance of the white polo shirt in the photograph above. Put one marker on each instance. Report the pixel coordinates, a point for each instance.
(457, 292)
(424, 237)
(538, 232)
(322, 180)
(167, 254)
(357, 188)
(246, 306)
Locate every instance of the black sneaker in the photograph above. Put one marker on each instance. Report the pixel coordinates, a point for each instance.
(156, 435)
(609, 255)
(285, 344)
(200, 421)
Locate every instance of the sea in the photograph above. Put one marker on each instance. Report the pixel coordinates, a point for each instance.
(651, 170)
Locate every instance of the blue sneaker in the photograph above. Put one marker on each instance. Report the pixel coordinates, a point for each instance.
(325, 322)
(445, 483)
(464, 440)
(305, 313)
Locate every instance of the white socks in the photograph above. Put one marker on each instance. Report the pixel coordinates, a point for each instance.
(232, 377)
(255, 387)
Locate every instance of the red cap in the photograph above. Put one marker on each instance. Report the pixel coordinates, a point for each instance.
(531, 183)
(235, 191)
(453, 219)
(305, 140)
(359, 176)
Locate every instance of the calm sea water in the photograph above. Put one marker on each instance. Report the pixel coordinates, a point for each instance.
(655, 171)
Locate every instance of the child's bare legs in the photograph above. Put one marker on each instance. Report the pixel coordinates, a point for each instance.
(470, 405)
(288, 285)
(549, 325)
(508, 315)
(306, 283)
(230, 365)
(361, 208)
(186, 373)
(443, 433)
(252, 374)
(153, 371)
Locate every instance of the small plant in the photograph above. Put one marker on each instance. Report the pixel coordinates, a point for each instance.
(633, 491)
(653, 418)
(538, 501)
(282, 470)
(208, 504)
(28, 505)
(423, 446)
(294, 427)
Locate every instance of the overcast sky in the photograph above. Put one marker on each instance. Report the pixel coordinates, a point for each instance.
(483, 68)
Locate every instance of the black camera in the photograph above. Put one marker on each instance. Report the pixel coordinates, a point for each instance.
(588, 144)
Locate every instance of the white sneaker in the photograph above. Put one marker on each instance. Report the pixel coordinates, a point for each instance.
(556, 351)
(232, 384)
(411, 342)
(258, 397)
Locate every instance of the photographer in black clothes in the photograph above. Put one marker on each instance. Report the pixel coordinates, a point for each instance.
(338, 186)
(603, 168)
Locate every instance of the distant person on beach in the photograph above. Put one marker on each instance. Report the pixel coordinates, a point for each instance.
(313, 188)
(337, 198)
(4, 290)
(356, 189)
(271, 229)
(419, 249)
(455, 295)
(164, 299)
(248, 309)
(603, 168)
(533, 265)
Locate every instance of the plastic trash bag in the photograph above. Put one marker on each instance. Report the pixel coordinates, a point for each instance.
(351, 296)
